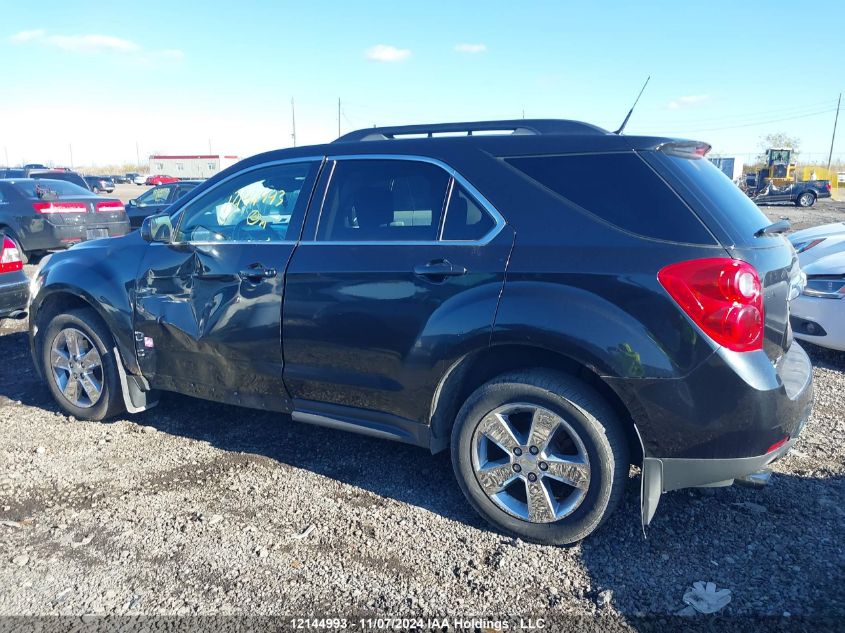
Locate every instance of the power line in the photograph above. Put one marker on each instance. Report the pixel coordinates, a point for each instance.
(756, 123)
(788, 111)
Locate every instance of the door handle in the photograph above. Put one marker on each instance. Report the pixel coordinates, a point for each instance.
(257, 272)
(439, 269)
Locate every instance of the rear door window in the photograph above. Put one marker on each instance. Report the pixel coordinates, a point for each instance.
(383, 201)
(619, 188)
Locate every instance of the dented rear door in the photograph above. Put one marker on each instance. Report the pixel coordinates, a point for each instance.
(208, 303)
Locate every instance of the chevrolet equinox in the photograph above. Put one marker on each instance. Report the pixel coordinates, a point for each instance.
(549, 301)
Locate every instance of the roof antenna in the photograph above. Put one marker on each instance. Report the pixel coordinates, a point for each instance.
(631, 111)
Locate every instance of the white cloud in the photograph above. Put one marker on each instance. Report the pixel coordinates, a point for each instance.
(27, 36)
(470, 48)
(94, 43)
(686, 102)
(386, 53)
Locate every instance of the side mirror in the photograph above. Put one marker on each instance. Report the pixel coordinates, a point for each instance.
(133, 202)
(157, 228)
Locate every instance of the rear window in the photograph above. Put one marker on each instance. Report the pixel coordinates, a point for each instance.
(621, 189)
(717, 194)
(67, 176)
(49, 189)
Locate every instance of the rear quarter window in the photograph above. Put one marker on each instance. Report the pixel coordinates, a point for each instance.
(621, 189)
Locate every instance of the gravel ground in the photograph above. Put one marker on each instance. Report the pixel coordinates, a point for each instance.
(200, 508)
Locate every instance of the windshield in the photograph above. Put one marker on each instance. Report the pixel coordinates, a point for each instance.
(44, 189)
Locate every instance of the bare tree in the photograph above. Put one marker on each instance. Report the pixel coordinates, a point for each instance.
(778, 140)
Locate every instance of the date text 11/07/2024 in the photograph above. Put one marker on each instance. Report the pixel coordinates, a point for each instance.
(431, 624)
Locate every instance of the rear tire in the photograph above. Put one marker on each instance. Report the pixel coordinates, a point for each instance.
(805, 200)
(82, 376)
(580, 441)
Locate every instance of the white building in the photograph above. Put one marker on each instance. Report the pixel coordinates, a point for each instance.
(731, 165)
(190, 166)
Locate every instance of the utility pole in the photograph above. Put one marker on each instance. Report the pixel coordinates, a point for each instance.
(70, 147)
(293, 122)
(833, 138)
(338, 117)
(137, 156)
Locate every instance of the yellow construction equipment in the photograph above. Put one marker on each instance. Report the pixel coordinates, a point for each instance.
(780, 169)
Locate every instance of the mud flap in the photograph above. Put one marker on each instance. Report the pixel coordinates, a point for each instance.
(135, 398)
(651, 487)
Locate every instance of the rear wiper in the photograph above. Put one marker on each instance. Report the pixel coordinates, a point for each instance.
(781, 226)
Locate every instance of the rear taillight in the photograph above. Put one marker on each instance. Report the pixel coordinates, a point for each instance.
(10, 256)
(722, 296)
(59, 207)
(110, 206)
(827, 185)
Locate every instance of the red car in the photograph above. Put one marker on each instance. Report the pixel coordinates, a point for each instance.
(160, 180)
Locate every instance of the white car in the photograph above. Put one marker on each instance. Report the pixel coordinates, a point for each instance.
(140, 179)
(818, 242)
(818, 314)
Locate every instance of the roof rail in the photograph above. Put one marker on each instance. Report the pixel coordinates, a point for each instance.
(512, 126)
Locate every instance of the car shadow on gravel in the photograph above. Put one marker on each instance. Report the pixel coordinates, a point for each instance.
(778, 549)
(388, 469)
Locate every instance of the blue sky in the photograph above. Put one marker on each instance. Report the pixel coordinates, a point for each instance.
(180, 76)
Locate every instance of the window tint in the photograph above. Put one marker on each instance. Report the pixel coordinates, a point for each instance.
(383, 200)
(49, 189)
(258, 206)
(621, 189)
(465, 219)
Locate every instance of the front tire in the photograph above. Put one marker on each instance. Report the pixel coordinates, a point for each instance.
(806, 200)
(78, 362)
(541, 455)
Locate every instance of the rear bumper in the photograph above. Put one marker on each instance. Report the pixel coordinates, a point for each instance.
(14, 294)
(733, 405)
(664, 475)
(54, 236)
(788, 408)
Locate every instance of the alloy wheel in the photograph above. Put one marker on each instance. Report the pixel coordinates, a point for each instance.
(530, 462)
(77, 368)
